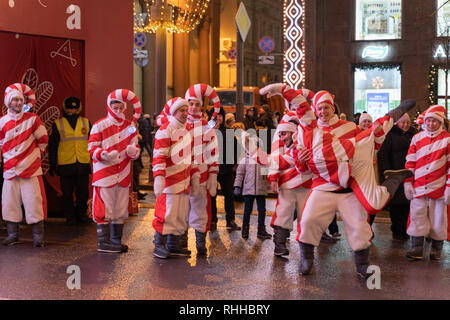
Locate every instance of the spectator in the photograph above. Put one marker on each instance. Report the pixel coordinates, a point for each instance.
(229, 120)
(253, 185)
(356, 117)
(392, 156)
(365, 120)
(145, 132)
(342, 116)
(249, 120)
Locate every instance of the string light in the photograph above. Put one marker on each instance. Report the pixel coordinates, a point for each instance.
(177, 17)
(293, 28)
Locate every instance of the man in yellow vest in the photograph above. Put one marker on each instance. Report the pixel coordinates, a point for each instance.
(70, 159)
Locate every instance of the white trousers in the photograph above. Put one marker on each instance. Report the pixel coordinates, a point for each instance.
(171, 214)
(428, 218)
(319, 211)
(289, 200)
(27, 191)
(200, 210)
(110, 204)
(372, 196)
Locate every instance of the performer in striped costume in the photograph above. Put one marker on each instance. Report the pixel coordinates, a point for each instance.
(205, 153)
(292, 186)
(113, 144)
(23, 138)
(172, 170)
(429, 190)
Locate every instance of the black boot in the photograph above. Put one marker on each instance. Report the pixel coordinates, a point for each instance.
(38, 234)
(231, 226)
(103, 242)
(13, 233)
(436, 248)
(279, 238)
(173, 245)
(362, 262)
(262, 233)
(200, 243)
(116, 232)
(403, 108)
(306, 258)
(213, 226)
(245, 231)
(394, 178)
(160, 246)
(416, 252)
(184, 241)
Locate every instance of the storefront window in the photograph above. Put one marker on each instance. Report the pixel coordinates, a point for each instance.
(378, 19)
(377, 90)
(441, 89)
(443, 18)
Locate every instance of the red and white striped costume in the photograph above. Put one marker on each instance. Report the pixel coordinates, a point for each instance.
(429, 159)
(172, 159)
(23, 138)
(205, 154)
(111, 180)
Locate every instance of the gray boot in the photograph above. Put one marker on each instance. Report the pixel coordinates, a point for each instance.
(173, 245)
(200, 242)
(306, 258)
(38, 234)
(436, 248)
(403, 108)
(362, 262)
(416, 252)
(103, 242)
(13, 233)
(394, 178)
(116, 232)
(279, 238)
(160, 246)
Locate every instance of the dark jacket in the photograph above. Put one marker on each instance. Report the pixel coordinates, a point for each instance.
(226, 167)
(392, 155)
(53, 144)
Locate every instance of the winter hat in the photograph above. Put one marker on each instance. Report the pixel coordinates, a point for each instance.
(286, 125)
(165, 113)
(24, 91)
(365, 116)
(176, 104)
(420, 120)
(437, 112)
(198, 91)
(124, 95)
(321, 97)
(72, 103)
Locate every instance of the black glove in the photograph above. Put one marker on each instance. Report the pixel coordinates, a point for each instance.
(52, 170)
(237, 191)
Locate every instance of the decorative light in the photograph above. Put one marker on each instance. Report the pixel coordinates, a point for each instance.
(293, 29)
(175, 17)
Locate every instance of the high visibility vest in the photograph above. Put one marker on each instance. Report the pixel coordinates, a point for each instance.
(73, 144)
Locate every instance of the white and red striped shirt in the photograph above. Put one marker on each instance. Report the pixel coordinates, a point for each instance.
(23, 138)
(286, 174)
(205, 148)
(107, 135)
(172, 156)
(429, 159)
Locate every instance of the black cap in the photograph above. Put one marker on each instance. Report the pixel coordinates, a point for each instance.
(72, 103)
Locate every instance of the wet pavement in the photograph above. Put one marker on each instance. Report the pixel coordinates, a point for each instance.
(234, 268)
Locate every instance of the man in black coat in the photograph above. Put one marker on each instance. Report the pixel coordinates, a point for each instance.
(392, 155)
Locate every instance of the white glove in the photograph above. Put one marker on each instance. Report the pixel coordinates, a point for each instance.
(447, 195)
(111, 157)
(409, 190)
(211, 184)
(195, 185)
(132, 152)
(158, 185)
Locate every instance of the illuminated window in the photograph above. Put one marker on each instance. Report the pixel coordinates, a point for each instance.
(377, 90)
(443, 18)
(378, 19)
(442, 91)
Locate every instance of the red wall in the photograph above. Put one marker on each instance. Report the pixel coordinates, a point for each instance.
(106, 28)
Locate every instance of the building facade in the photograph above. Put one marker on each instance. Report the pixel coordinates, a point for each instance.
(374, 53)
